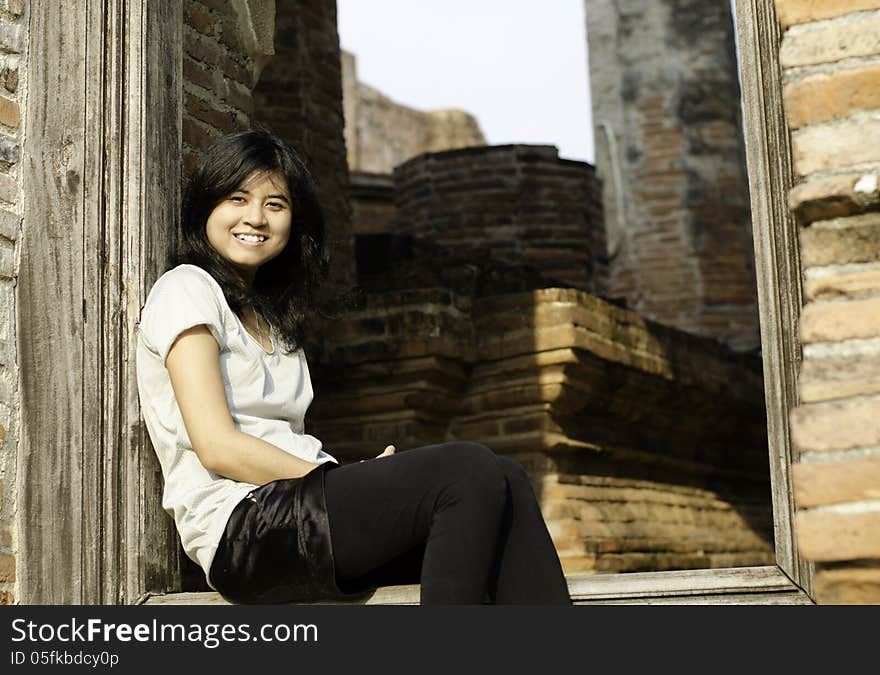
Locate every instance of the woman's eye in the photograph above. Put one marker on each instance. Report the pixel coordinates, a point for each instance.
(236, 199)
(275, 205)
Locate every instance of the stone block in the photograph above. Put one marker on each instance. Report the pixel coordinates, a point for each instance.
(10, 224)
(15, 7)
(842, 425)
(847, 240)
(8, 188)
(822, 483)
(7, 260)
(836, 147)
(9, 150)
(826, 96)
(10, 37)
(5, 531)
(836, 536)
(10, 115)
(831, 43)
(844, 320)
(834, 197)
(6, 598)
(838, 377)
(9, 75)
(791, 12)
(7, 568)
(850, 585)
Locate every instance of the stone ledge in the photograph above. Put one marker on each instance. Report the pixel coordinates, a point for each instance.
(739, 585)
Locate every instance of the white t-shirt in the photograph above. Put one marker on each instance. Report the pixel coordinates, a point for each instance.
(268, 395)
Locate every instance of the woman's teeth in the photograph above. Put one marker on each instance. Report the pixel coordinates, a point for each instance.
(250, 237)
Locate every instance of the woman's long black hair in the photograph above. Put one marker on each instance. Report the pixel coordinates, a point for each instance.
(284, 291)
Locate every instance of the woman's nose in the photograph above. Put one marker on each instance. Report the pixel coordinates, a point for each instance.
(255, 215)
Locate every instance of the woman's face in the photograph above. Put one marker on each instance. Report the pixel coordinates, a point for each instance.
(251, 225)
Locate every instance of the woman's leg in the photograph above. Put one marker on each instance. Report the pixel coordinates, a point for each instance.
(456, 517)
(442, 504)
(528, 571)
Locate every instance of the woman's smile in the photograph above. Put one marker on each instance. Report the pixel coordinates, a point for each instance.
(250, 226)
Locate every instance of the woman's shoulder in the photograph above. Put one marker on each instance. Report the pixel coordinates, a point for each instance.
(186, 279)
(186, 285)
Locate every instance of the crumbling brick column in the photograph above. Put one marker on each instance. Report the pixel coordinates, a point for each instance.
(518, 204)
(299, 95)
(669, 152)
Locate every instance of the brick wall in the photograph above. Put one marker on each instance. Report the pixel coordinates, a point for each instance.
(299, 95)
(647, 446)
(669, 151)
(275, 62)
(830, 55)
(13, 38)
(226, 45)
(519, 204)
(381, 134)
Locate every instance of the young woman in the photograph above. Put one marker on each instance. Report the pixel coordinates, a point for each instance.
(224, 385)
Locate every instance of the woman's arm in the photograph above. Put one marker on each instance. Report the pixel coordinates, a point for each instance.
(194, 366)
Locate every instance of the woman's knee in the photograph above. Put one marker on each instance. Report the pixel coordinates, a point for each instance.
(477, 463)
(515, 474)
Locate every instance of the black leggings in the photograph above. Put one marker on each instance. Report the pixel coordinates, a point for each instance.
(457, 518)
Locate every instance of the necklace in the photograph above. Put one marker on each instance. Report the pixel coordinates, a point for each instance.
(259, 327)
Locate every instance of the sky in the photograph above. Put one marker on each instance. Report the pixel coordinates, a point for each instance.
(521, 72)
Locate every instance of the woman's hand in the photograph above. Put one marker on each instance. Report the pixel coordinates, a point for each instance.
(387, 452)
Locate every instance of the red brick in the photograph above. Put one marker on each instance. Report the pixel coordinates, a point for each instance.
(842, 285)
(196, 74)
(7, 568)
(9, 112)
(206, 112)
(224, 7)
(836, 426)
(198, 135)
(845, 320)
(851, 585)
(836, 147)
(204, 49)
(822, 483)
(199, 19)
(830, 536)
(791, 12)
(833, 197)
(827, 96)
(828, 378)
(831, 43)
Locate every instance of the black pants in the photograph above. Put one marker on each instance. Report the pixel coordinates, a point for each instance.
(456, 518)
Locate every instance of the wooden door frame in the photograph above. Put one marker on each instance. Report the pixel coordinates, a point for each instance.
(102, 121)
(101, 187)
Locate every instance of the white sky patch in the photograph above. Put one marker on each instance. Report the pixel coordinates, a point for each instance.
(519, 66)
